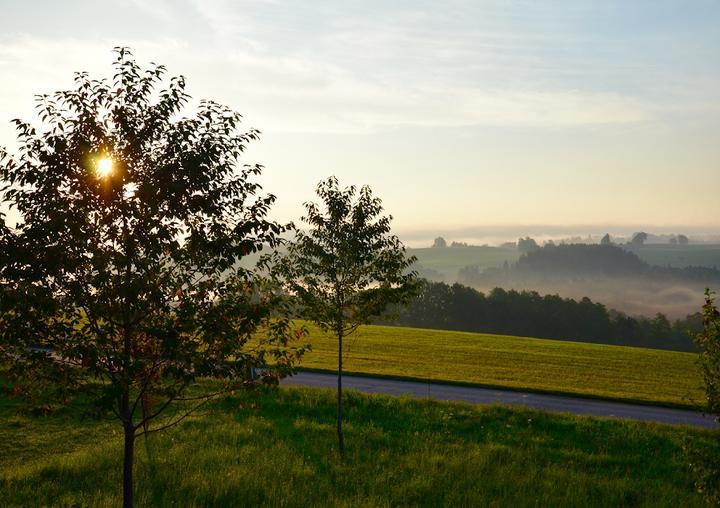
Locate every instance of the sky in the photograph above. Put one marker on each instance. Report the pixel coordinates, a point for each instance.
(461, 115)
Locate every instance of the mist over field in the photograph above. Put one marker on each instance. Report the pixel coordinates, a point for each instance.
(496, 235)
(655, 277)
(631, 296)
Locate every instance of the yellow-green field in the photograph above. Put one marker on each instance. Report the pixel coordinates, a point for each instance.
(616, 372)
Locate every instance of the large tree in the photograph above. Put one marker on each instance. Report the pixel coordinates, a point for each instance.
(347, 268)
(121, 275)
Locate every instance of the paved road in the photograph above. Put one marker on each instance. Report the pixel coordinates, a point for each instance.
(475, 395)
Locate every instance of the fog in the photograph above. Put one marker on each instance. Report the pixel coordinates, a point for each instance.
(495, 235)
(638, 279)
(634, 297)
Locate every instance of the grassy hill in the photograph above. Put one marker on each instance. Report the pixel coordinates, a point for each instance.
(449, 260)
(679, 255)
(615, 372)
(279, 451)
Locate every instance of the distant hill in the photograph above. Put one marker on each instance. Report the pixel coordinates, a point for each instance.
(443, 264)
(612, 275)
(580, 260)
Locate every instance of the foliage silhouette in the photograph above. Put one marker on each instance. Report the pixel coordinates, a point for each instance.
(121, 276)
(347, 268)
(706, 464)
(527, 313)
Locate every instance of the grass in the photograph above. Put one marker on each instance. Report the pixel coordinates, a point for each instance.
(595, 370)
(280, 451)
(679, 255)
(451, 259)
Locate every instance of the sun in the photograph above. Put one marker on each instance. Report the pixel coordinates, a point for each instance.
(104, 167)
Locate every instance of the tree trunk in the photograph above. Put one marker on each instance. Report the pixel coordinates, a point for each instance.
(128, 466)
(341, 440)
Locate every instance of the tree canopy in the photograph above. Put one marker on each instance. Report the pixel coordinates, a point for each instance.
(439, 243)
(347, 267)
(639, 238)
(123, 268)
(530, 314)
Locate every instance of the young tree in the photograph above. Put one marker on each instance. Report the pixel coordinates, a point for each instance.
(347, 268)
(708, 340)
(707, 464)
(123, 267)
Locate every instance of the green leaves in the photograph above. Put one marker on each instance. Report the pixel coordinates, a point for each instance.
(705, 465)
(347, 267)
(129, 275)
(709, 342)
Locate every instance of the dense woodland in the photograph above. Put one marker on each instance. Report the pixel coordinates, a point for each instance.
(527, 313)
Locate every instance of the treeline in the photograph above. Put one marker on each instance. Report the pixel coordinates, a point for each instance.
(527, 313)
(586, 260)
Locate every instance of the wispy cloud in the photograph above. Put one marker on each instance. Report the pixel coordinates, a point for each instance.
(609, 100)
(314, 69)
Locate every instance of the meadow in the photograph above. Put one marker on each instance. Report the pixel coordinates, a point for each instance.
(278, 449)
(591, 370)
(679, 255)
(449, 260)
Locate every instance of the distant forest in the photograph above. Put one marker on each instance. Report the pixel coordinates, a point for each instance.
(615, 276)
(587, 260)
(527, 313)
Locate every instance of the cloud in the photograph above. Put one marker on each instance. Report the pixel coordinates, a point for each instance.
(365, 69)
(299, 94)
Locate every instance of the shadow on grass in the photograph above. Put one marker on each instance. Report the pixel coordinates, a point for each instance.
(279, 447)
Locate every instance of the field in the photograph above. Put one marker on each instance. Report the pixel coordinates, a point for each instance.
(400, 452)
(449, 260)
(679, 255)
(615, 372)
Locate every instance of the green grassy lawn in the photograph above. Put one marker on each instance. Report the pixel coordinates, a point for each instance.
(616, 372)
(400, 452)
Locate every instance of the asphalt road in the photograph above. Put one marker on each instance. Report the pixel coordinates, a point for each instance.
(474, 395)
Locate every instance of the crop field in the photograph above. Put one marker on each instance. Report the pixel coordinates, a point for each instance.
(596, 370)
(278, 449)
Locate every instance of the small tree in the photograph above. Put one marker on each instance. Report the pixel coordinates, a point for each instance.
(439, 243)
(347, 268)
(121, 274)
(707, 464)
(708, 340)
(639, 239)
(682, 240)
(605, 240)
(527, 244)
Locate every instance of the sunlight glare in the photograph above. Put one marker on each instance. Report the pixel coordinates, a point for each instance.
(104, 167)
